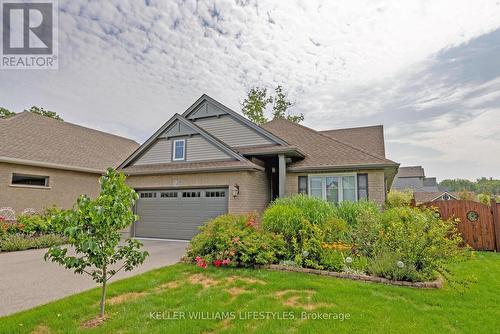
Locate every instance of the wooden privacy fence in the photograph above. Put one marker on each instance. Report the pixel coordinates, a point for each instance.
(479, 223)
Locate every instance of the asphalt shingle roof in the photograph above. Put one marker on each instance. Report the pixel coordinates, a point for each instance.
(28, 136)
(368, 138)
(427, 196)
(321, 150)
(411, 171)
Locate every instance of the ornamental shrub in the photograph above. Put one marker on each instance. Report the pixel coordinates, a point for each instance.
(390, 266)
(33, 224)
(397, 198)
(350, 211)
(283, 219)
(19, 242)
(238, 239)
(419, 239)
(314, 209)
(332, 260)
(365, 233)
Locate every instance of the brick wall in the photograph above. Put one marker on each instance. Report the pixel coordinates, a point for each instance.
(254, 186)
(64, 188)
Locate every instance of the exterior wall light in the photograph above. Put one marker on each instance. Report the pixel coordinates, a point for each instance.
(236, 190)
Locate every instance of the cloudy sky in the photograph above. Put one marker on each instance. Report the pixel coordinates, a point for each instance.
(428, 70)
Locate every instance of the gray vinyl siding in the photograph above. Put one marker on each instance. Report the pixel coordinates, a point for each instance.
(197, 149)
(160, 152)
(231, 131)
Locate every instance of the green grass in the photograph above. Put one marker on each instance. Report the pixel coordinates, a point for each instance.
(373, 308)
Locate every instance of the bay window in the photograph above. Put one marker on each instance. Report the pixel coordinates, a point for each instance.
(334, 188)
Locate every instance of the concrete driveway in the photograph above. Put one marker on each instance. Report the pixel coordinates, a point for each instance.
(26, 280)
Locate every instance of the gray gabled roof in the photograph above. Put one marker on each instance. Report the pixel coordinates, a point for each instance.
(187, 124)
(411, 171)
(35, 140)
(323, 152)
(368, 138)
(237, 116)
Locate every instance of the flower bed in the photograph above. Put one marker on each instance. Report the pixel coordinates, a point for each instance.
(352, 240)
(31, 230)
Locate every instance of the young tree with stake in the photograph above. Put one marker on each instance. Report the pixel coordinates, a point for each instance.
(93, 229)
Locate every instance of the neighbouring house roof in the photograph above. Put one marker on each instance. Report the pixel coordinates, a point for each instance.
(429, 196)
(31, 139)
(323, 151)
(368, 138)
(190, 167)
(411, 171)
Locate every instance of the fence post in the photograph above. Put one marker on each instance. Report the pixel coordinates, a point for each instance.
(496, 223)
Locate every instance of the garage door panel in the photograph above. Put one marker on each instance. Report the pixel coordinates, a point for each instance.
(178, 217)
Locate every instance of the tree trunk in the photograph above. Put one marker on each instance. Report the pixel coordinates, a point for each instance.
(103, 295)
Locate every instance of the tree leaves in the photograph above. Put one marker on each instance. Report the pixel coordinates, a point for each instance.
(256, 103)
(42, 112)
(93, 228)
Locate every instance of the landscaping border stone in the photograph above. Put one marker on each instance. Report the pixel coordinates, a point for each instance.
(436, 284)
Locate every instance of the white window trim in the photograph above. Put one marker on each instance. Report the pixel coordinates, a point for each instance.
(183, 150)
(323, 184)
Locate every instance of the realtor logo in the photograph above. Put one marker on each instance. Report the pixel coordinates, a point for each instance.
(29, 34)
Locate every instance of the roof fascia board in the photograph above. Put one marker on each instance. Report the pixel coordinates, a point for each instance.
(198, 170)
(34, 163)
(338, 168)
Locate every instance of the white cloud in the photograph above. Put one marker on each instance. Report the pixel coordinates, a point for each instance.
(127, 66)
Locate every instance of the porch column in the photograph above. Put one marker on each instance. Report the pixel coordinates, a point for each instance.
(281, 175)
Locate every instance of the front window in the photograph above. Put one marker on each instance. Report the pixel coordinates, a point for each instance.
(316, 186)
(30, 180)
(334, 188)
(179, 149)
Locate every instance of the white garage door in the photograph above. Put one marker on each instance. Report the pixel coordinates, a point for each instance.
(177, 214)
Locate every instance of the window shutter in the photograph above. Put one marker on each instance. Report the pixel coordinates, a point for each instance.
(362, 186)
(303, 185)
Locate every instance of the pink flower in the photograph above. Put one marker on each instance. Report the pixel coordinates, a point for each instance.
(200, 262)
(251, 223)
(226, 262)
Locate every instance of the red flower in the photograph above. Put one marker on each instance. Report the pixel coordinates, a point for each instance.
(218, 263)
(200, 262)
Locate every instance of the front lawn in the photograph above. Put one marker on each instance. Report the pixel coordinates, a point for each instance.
(187, 289)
